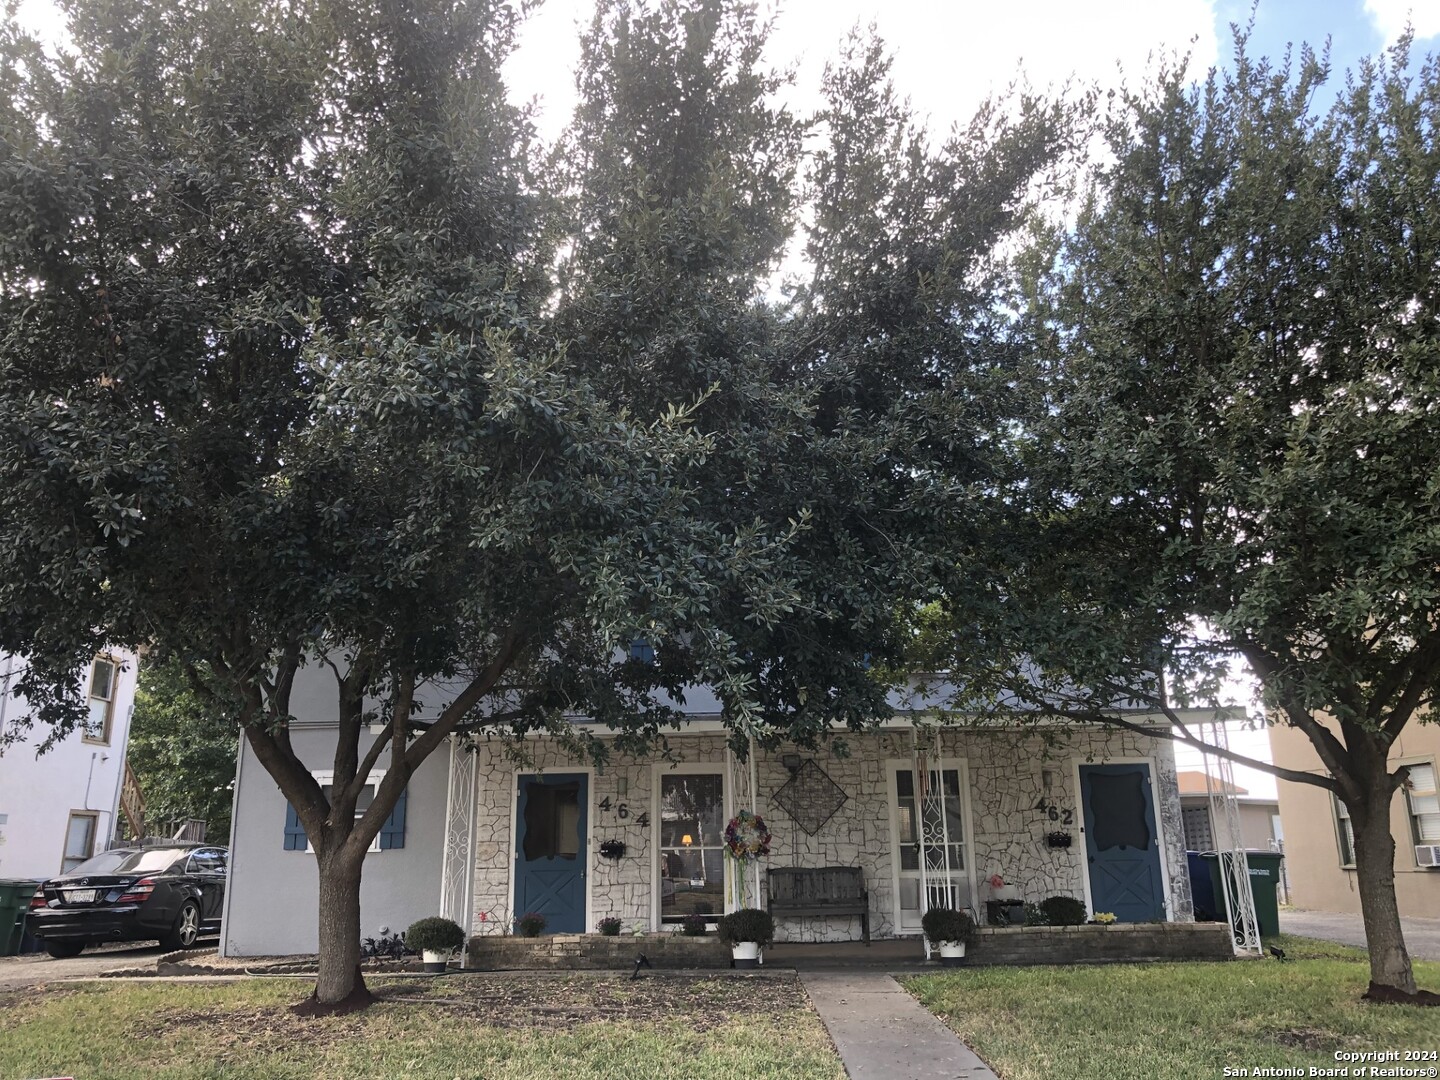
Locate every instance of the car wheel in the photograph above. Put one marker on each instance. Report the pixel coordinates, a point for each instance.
(64, 950)
(186, 929)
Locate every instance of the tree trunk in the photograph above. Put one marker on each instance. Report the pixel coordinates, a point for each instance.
(340, 982)
(1390, 968)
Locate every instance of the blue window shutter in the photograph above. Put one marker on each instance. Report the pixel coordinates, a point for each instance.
(392, 833)
(294, 831)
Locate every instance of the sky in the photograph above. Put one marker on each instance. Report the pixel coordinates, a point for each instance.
(949, 54)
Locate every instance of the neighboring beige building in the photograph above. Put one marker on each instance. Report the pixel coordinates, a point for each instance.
(1258, 817)
(1319, 842)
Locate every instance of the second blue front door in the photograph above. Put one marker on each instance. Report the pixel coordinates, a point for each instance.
(550, 849)
(1122, 845)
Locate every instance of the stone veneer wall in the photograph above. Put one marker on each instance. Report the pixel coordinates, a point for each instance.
(1006, 781)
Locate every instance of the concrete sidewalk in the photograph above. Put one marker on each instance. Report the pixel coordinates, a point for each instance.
(1422, 936)
(883, 1033)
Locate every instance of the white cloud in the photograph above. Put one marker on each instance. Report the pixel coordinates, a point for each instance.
(1391, 16)
(948, 55)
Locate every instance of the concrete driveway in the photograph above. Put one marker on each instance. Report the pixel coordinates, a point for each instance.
(1422, 936)
(19, 972)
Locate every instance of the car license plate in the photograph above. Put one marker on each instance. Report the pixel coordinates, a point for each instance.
(80, 896)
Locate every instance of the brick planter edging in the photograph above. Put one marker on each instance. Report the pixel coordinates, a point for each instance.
(496, 952)
(1092, 944)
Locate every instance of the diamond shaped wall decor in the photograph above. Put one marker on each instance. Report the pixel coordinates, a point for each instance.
(811, 797)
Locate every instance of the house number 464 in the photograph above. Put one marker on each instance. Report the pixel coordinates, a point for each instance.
(622, 811)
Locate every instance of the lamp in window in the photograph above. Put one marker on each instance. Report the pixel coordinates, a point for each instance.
(687, 839)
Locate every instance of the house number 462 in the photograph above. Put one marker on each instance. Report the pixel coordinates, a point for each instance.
(1055, 813)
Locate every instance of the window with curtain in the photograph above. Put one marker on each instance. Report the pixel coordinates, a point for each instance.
(1423, 803)
(692, 840)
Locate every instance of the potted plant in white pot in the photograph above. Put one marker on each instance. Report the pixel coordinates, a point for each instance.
(436, 939)
(949, 931)
(746, 931)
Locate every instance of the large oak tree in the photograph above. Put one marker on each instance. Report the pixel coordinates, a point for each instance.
(309, 357)
(1235, 427)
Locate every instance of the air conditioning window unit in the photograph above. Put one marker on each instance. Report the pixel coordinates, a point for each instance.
(1428, 855)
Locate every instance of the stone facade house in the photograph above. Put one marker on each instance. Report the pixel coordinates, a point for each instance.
(484, 834)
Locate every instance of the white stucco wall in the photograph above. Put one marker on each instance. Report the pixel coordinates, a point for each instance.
(272, 899)
(38, 792)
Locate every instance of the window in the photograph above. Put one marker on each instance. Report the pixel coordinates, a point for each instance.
(1198, 835)
(552, 820)
(1424, 803)
(1344, 832)
(153, 860)
(906, 815)
(104, 675)
(692, 844)
(206, 861)
(79, 840)
(391, 834)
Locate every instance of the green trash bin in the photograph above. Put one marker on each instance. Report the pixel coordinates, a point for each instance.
(1264, 881)
(14, 902)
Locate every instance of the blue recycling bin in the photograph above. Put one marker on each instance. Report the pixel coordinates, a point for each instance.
(1202, 888)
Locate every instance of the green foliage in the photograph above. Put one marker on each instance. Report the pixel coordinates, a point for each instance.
(1034, 916)
(434, 934)
(747, 924)
(1062, 911)
(695, 925)
(312, 366)
(609, 926)
(531, 924)
(1168, 1021)
(1225, 450)
(182, 749)
(947, 924)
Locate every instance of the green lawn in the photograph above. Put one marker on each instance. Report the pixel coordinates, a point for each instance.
(490, 1027)
(1176, 1021)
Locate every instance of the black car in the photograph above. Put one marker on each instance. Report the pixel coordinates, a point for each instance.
(173, 893)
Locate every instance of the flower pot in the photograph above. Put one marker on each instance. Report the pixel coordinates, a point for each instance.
(435, 961)
(745, 954)
(952, 953)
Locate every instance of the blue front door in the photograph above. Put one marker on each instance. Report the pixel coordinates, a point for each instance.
(550, 849)
(1122, 844)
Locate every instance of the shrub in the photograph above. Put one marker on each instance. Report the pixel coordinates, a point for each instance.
(1034, 916)
(747, 924)
(1063, 910)
(694, 925)
(531, 924)
(609, 926)
(434, 934)
(947, 924)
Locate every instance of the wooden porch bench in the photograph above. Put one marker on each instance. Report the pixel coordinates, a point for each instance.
(819, 891)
